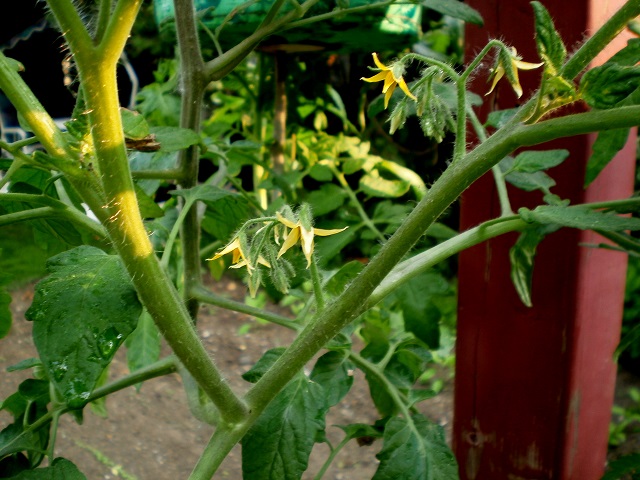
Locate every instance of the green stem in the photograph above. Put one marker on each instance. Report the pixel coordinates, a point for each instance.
(193, 83)
(600, 39)
(331, 457)
(476, 61)
(498, 176)
(121, 216)
(175, 230)
(206, 296)
(356, 203)
(316, 281)
(338, 13)
(50, 212)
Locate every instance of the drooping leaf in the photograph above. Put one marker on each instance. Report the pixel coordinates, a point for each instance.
(532, 161)
(172, 139)
(278, 445)
(200, 405)
(607, 145)
(549, 43)
(266, 361)
(421, 315)
(580, 217)
(522, 256)
(373, 184)
(361, 431)
(455, 9)
(407, 364)
(82, 312)
(415, 448)
(5, 313)
(60, 469)
(333, 372)
(143, 345)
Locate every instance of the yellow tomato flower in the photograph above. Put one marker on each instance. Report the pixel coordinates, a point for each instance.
(516, 64)
(390, 80)
(298, 232)
(238, 259)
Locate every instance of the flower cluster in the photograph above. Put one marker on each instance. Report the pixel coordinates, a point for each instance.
(290, 228)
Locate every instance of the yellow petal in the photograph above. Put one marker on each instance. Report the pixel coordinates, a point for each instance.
(497, 75)
(387, 95)
(389, 82)
(323, 233)
(378, 63)
(526, 65)
(289, 241)
(262, 261)
(405, 89)
(516, 85)
(284, 221)
(378, 77)
(307, 244)
(235, 244)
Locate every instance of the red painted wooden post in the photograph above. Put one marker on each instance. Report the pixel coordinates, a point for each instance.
(534, 386)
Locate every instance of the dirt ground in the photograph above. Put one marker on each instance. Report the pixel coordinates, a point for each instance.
(151, 435)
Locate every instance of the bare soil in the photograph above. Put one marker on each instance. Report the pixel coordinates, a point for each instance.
(151, 434)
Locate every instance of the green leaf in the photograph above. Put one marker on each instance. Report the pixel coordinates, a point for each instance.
(535, 160)
(609, 85)
(526, 181)
(334, 372)
(204, 193)
(148, 207)
(549, 43)
(421, 315)
(629, 55)
(499, 118)
(606, 146)
(134, 125)
(580, 217)
(415, 448)
(522, 255)
(5, 313)
(82, 312)
(60, 469)
(327, 198)
(225, 215)
(360, 431)
(455, 9)
(376, 186)
(623, 466)
(278, 445)
(172, 139)
(143, 345)
(266, 361)
(339, 280)
(200, 405)
(25, 364)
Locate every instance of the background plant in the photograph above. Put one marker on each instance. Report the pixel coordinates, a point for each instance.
(115, 287)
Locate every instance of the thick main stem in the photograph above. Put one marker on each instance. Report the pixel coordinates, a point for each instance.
(193, 82)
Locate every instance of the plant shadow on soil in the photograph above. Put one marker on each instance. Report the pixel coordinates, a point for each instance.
(151, 434)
